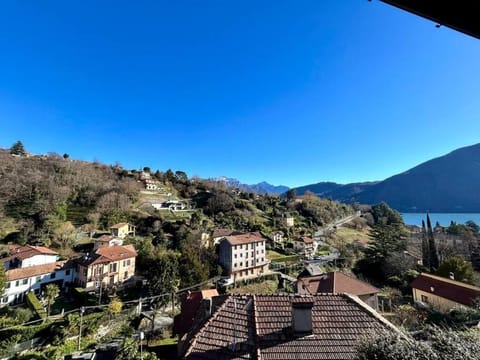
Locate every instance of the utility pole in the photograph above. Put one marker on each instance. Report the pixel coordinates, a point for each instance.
(82, 310)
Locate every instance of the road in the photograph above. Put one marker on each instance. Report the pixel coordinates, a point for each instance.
(334, 225)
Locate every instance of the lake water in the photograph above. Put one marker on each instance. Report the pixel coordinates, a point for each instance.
(443, 219)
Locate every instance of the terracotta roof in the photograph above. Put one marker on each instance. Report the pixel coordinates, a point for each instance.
(259, 327)
(22, 273)
(105, 238)
(305, 240)
(108, 254)
(224, 232)
(27, 251)
(334, 282)
(117, 252)
(245, 238)
(446, 288)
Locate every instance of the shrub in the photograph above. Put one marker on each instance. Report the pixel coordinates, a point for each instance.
(35, 305)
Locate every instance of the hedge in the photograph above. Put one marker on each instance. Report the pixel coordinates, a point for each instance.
(35, 305)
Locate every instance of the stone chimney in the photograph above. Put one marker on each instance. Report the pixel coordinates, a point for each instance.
(302, 324)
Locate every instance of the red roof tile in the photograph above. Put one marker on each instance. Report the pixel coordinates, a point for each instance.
(334, 282)
(245, 238)
(27, 251)
(22, 273)
(259, 326)
(446, 288)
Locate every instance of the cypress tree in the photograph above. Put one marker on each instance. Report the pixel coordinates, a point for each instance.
(425, 248)
(433, 257)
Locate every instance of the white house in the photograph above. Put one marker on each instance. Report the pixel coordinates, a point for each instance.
(304, 246)
(30, 268)
(243, 256)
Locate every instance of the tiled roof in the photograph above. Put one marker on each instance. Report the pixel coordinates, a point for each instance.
(224, 232)
(105, 238)
(259, 326)
(334, 282)
(27, 251)
(108, 254)
(446, 288)
(22, 273)
(245, 238)
(305, 240)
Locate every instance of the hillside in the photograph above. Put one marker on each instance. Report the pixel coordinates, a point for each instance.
(450, 183)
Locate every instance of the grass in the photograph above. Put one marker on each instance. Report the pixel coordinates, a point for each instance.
(347, 235)
(272, 255)
(265, 287)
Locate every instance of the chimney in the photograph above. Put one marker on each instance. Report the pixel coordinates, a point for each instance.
(302, 324)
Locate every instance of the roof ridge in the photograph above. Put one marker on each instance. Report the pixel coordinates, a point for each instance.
(450, 281)
(204, 326)
(257, 342)
(369, 310)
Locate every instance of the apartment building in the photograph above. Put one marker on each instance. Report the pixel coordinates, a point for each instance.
(243, 256)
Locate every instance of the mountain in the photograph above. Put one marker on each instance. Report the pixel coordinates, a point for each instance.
(450, 183)
(260, 188)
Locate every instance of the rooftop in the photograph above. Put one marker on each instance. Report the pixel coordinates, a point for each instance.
(22, 273)
(27, 251)
(259, 326)
(447, 288)
(334, 282)
(245, 238)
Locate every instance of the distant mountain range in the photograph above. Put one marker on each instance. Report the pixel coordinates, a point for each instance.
(450, 183)
(260, 188)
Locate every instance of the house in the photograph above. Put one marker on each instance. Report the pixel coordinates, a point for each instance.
(122, 230)
(190, 304)
(108, 265)
(337, 282)
(304, 246)
(289, 220)
(442, 293)
(31, 268)
(106, 240)
(243, 256)
(277, 238)
(283, 326)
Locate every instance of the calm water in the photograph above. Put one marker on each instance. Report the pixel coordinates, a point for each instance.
(443, 219)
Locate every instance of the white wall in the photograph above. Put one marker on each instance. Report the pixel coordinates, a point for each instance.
(39, 260)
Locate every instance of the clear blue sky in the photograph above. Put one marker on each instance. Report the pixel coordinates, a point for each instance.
(291, 92)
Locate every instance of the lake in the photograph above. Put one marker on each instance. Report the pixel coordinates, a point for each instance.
(442, 218)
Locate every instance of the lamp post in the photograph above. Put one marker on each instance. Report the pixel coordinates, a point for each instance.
(82, 310)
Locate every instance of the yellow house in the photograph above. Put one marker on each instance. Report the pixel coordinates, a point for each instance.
(442, 293)
(122, 230)
(109, 265)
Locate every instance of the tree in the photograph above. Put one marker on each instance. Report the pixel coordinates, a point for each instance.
(425, 248)
(3, 277)
(66, 156)
(51, 292)
(432, 249)
(291, 194)
(181, 175)
(115, 306)
(18, 149)
(462, 270)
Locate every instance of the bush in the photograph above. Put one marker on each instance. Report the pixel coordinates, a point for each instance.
(35, 305)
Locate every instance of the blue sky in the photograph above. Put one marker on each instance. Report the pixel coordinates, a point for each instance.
(291, 92)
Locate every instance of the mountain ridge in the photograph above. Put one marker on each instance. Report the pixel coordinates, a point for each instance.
(448, 183)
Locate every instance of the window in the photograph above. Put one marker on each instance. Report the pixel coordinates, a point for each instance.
(113, 267)
(424, 298)
(241, 264)
(38, 279)
(241, 254)
(235, 256)
(125, 275)
(17, 282)
(24, 281)
(246, 263)
(5, 299)
(235, 265)
(128, 262)
(252, 254)
(53, 275)
(7, 285)
(251, 272)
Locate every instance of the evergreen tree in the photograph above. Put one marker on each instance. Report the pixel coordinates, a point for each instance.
(433, 256)
(425, 247)
(18, 149)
